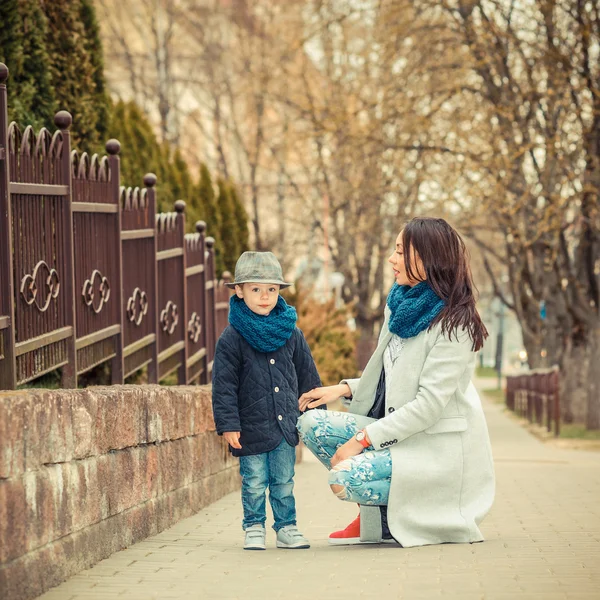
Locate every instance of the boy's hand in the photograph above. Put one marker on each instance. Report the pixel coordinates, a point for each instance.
(232, 438)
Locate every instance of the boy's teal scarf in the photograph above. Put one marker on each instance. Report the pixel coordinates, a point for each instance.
(413, 308)
(263, 333)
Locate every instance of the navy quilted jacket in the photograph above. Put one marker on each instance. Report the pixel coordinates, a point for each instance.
(257, 393)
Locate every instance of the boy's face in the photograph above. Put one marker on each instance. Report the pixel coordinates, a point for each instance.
(260, 298)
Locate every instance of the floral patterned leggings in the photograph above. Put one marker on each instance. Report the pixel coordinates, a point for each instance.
(365, 478)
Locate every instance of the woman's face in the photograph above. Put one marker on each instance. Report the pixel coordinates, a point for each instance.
(397, 262)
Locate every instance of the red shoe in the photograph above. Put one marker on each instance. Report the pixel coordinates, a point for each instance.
(348, 536)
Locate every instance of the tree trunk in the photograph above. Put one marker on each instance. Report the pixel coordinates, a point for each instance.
(573, 388)
(580, 380)
(255, 215)
(593, 403)
(366, 325)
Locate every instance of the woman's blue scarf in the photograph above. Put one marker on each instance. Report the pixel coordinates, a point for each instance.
(413, 308)
(263, 333)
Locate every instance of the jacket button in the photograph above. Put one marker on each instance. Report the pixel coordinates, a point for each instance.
(272, 361)
(280, 418)
(391, 409)
(276, 389)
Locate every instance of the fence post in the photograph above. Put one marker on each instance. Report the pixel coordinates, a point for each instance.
(63, 121)
(139, 301)
(522, 396)
(539, 391)
(153, 369)
(211, 314)
(180, 210)
(548, 397)
(509, 392)
(195, 334)
(556, 382)
(113, 147)
(8, 365)
(530, 397)
(171, 262)
(184, 312)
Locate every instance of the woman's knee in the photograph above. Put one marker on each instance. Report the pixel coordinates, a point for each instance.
(339, 491)
(338, 482)
(306, 423)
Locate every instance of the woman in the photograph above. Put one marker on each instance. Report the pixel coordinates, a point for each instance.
(413, 451)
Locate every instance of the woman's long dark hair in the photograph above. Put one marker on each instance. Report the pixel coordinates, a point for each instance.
(446, 261)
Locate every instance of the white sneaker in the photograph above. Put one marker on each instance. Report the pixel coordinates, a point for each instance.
(255, 538)
(290, 537)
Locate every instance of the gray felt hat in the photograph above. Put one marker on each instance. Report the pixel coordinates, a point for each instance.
(258, 267)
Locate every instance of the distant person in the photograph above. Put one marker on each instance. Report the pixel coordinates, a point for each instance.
(414, 449)
(262, 365)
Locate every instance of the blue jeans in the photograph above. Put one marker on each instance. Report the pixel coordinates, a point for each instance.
(365, 478)
(275, 470)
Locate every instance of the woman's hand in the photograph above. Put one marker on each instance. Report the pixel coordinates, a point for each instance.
(351, 448)
(323, 395)
(233, 439)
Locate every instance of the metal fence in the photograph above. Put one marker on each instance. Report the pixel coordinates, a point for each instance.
(89, 273)
(535, 395)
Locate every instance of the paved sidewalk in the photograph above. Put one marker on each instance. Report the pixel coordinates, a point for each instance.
(543, 542)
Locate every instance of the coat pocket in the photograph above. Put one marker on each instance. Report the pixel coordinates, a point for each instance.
(448, 425)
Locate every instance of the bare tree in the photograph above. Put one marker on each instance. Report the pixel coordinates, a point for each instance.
(361, 117)
(531, 106)
(142, 42)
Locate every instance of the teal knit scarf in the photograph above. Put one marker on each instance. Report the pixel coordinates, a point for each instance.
(413, 308)
(263, 333)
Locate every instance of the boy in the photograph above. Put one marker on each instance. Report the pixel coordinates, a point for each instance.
(262, 366)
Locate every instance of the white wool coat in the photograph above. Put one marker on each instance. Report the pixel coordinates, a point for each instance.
(442, 470)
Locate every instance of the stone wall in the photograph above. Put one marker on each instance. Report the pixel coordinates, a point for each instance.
(85, 473)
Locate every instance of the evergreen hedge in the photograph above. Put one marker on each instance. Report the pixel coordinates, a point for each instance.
(23, 49)
(54, 53)
(141, 152)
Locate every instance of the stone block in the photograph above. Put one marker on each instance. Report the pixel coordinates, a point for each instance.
(151, 471)
(120, 418)
(175, 461)
(108, 484)
(49, 428)
(48, 504)
(183, 400)
(199, 463)
(161, 414)
(13, 519)
(210, 454)
(203, 417)
(84, 413)
(217, 454)
(141, 521)
(14, 411)
(85, 494)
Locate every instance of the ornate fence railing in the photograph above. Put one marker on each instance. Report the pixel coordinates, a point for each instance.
(535, 395)
(90, 273)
